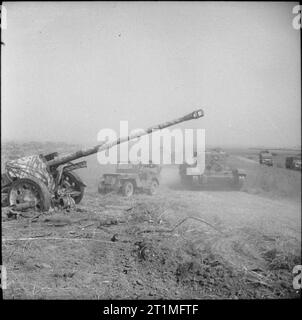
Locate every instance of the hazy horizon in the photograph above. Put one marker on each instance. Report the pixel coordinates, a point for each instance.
(298, 148)
(70, 69)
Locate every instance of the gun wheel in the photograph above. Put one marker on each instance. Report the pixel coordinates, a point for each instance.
(31, 192)
(128, 189)
(73, 186)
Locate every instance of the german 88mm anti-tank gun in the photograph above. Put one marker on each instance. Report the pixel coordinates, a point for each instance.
(44, 181)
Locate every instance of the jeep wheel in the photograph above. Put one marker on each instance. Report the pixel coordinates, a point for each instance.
(128, 189)
(153, 187)
(101, 187)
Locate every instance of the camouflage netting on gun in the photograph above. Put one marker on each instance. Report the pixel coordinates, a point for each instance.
(31, 166)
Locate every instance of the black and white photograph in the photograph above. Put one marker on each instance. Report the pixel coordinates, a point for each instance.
(150, 150)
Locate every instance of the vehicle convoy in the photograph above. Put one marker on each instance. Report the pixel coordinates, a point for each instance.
(129, 178)
(44, 181)
(265, 157)
(208, 168)
(293, 163)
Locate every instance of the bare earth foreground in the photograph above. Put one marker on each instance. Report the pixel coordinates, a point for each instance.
(233, 244)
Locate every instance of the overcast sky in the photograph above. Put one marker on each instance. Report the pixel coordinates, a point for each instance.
(70, 69)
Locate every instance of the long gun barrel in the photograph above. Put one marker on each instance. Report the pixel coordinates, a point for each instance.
(104, 146)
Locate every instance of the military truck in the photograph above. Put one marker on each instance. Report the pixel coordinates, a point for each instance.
(129, 178)
(266, 158)
(293, 162)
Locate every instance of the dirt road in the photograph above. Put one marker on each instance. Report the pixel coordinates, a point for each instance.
(246, 159)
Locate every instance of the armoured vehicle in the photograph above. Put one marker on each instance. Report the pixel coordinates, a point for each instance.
(129, 178)
(210, 168)
(266, 158)
(43, 181)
